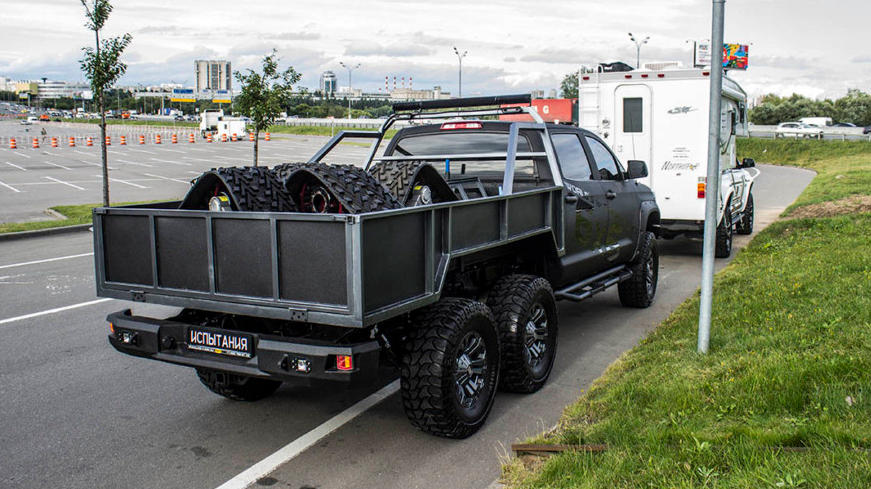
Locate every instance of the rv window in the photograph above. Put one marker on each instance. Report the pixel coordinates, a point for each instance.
(632, 115)
(604, 160)
(572, 159)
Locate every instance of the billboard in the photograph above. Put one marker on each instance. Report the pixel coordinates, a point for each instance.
(183, 95)
(702, 54)
(735, 56)
(222, 97)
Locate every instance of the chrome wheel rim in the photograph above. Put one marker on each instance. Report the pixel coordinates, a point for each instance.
(535, 337)
(471, 370)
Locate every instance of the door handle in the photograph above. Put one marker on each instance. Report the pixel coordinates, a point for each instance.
(610, 194)
(571, 199)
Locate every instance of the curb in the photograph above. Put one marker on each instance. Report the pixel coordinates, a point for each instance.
(45, 232)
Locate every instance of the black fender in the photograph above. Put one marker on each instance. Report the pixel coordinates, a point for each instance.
(648, 220)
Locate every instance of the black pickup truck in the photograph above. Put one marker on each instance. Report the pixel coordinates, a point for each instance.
(444, 257)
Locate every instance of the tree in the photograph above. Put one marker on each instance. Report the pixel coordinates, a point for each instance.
(265, 95)
(103, 67)
(569, 86)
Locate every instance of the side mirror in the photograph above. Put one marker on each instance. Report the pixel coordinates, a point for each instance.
(748, 163)
(637, 169)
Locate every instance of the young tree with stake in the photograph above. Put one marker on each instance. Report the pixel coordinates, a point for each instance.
(103, 67)
(265, 95)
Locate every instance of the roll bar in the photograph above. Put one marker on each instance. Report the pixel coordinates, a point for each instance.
(456, 103)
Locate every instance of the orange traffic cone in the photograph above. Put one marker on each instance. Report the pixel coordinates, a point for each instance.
(90, 141)
(123, 140)
(209, 137)
(175, 139)
(250, 136)
(267, 136)
(157, 139)
(191, 138)
(72, 142)
(35, 143)
(108, 140)
(54, 142)
(142, 139)
(224, 138)
(234, 137)
(12, 144)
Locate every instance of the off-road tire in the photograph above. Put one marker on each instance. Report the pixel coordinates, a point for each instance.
(429, 362)
(355, 189)
(745, 225)
(400, 177)
(723, 244)
(640, 289)
(250, 188)
(514, 299)
(237, 387)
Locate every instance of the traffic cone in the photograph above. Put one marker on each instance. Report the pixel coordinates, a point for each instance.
(224, 138)
(191, 138)
(72, 142)
(90, 141)
(54, 142)
(35, 143)
(234, 137)
(108, 140)
(157, 139)
(209, 137)
(142, 139)
(175, 139)
(12, 144)
(267, 136)
(250, 136)
(123, 140)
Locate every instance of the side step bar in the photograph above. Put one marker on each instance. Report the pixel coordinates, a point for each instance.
(597, 283)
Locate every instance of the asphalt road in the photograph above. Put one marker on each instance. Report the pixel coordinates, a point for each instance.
(77, 414)
(32, 180)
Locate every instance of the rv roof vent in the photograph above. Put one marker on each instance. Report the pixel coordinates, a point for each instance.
(665, 65)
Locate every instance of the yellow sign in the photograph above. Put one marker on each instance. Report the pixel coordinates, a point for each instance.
(221, 101)
(182, 100)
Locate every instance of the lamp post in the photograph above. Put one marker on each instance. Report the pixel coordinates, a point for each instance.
(350, 69)
(638, 45)
(460, 59)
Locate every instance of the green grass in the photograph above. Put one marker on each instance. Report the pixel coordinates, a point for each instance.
(128, 122)
(843, 167)
(322, 130)
(75, 214)
(789, 366)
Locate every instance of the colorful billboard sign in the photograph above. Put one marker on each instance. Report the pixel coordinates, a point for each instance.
(183, 95)
(735, 56)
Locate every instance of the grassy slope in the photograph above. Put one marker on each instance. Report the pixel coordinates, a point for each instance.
(790, 365)
(75, 214)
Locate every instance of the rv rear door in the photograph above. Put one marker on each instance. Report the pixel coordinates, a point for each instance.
(632, 124)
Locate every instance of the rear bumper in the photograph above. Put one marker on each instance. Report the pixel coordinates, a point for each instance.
(275, 357)
(670, 228)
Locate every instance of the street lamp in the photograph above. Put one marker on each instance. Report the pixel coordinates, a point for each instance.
(350, 69)
(460, 59)
(638, 45)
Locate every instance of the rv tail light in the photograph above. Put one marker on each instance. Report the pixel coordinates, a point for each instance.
(344, 362)
(700, 190)
(661, 75)
(586, 78)
(628, 76)
(461, 125)
(645, 75)
(706, 73)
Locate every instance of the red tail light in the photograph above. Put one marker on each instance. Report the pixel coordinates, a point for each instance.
(344, 362)
(461, 125)
(700, 190)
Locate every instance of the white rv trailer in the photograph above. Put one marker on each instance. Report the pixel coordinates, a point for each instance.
(661, 117)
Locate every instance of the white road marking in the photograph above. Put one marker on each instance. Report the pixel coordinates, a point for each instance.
(22, 154)
(59, 166)
(34, 262)
(301, 444)
(143, 151)
(194, 172)
(52, 311)
(10, 187)
(16, 166)
(65, 183)
(171, 162)
(125, 182)
(173, 150)
(134, 163)
(167, 178)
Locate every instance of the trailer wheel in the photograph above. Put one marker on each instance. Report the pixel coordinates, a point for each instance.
(745, 225)
(723, 246)
(334, 189)
(526, 319)
(244, 188)
(450, 367)
(640, 289)
(237, 387)
(413, 182)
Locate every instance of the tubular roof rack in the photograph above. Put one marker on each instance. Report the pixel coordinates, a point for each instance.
(456, 103)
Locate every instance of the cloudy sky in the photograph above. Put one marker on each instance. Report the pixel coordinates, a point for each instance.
(815, 48)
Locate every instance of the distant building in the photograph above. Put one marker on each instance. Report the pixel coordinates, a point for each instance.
(409, 94)
(328, 83)
(48, 89)
(213, 75)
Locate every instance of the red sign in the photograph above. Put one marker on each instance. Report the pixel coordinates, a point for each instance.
(557, 110)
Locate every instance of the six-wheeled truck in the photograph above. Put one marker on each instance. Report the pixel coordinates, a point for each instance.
(444, 257)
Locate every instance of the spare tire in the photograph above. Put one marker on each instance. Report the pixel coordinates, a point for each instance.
(334, 189)
(246, 188)
(404, 179)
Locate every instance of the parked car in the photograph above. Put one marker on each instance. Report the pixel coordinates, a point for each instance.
(844, 124)
(797, 130)
(867, 130)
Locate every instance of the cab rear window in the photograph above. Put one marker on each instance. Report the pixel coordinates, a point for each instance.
(447, 143)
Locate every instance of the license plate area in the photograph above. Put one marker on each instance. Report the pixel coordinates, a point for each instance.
(220, 342)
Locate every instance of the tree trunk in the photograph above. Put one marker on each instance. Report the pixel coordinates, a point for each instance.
(103, 152)
(256, 144)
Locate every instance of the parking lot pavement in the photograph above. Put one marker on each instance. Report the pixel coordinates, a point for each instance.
(77, 414)
(32, 180)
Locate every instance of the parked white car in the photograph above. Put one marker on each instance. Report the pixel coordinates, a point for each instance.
(797, 130)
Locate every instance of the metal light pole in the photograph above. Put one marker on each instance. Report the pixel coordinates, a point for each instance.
(350, 69)
(460, 59)
(712, 182)
(638, 45)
